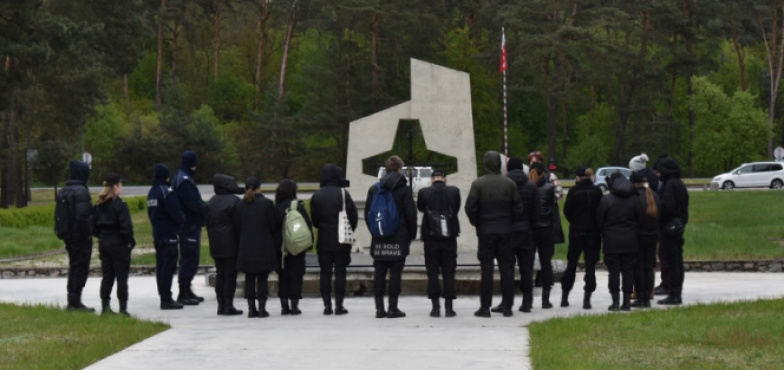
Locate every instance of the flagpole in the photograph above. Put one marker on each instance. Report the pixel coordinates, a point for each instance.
(503, 68)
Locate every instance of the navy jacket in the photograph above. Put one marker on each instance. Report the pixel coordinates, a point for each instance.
(163, 209)
(190, 199)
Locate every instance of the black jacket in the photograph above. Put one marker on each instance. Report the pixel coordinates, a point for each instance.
(453, 198)
(325, 204)
(547, 207)
(404, 200)
(618, 217)
(493, 203)
(190, 199)
(258, 227)
(649, 226)
(219, 217)
(529, 195)
(113, 225)
(83, 203)
(580, 207)
(163, 209)
(674, 196)
(282, 207)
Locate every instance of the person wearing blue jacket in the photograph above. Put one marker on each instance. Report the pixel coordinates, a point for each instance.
(184, 185)
(166, 218)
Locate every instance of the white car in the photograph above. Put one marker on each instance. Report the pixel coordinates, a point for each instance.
(602, 173)
(420, 176)
(752, 175)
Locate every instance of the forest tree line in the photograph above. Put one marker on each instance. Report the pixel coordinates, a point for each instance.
(269, 87)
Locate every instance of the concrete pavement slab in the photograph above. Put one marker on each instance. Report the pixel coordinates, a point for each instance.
(199, 339)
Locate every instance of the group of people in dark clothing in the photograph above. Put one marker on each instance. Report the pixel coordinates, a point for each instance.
(515, 214)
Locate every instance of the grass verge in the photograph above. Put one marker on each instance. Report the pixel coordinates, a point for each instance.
(746, 335)
(45, 337)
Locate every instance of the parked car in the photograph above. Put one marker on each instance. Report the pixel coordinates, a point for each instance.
(419, 176)
(752, 175)
(602, 173)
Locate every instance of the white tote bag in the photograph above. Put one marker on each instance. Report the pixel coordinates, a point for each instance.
(345, 232)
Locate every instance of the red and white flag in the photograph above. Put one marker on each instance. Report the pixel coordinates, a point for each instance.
(503, 51)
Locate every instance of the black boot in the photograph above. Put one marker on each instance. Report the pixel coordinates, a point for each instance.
(106, 308)
(263, 308)
(394, 312)
(380, 311)
(171, 304)
(185, 298)
(615, 298)
(124, 309)
(528, 302)
(75, 304)
(482, 312)
(546, 299)
(436, 310)
(587, 301)
(448, 308)
(671, 300)
(626, 306)
(640, 300)
(646, 302)
(498, 309)
(221, 306)
(565, 298)
(252, 311)
(295, 307)
(193, 295)
(339, 309)
(228, 307)
(327, 305)
(284, 306)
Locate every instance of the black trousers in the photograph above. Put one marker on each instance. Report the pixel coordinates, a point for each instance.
(290, 277)
(339, 261)
(590, 245)
(646, 259)
(115, 265)
(523, 251)
(621, 265)
(673, 254)
(190, 244)
(491, 248)
(395, 269)
(165, 266)
(79, 254)
(441, 257)
(256, 286)
(543, 241)
(225, 277)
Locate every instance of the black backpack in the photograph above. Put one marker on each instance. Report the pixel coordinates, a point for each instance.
(439, 216)
(65, 213)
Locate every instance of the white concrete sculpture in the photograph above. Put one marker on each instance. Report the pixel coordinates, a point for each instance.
(441, 101)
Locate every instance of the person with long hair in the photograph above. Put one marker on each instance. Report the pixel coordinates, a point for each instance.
(647, 237)
(293, 268)
(258, 226)
(114, 229)
(580, 209)
(542, 231)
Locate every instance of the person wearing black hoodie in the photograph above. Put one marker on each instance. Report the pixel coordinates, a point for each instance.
(114, 229)
(223, 240)
(389, 253)
(166, 217)
(293, 267)
(493, 206)
(648, 237)
(440, 250)
(674, 211)
(325, 207)
(618, 217)
(580, 209)
(184, 186)
(79, 244)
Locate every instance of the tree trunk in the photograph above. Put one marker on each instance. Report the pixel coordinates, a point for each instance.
(286, 45)
(159, 70)
(126, 94)
(774, 56)
(565, 138)
(175, 44)
(262, 17)
(217, 41)
(740, 52)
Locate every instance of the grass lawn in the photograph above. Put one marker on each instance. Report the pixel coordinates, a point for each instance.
(746, 335)
(44, 337)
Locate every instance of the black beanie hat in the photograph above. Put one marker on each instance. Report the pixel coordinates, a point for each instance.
(637, 177)
(252, 183)
(538, 166)
(189, 159)
(514, 163)
(160, 172)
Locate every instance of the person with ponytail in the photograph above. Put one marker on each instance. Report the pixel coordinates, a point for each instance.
(257, 223)
(114, 230)
(647, 238)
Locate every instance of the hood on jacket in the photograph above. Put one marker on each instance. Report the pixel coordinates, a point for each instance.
(393, 181)
(669, 168)
(622, 187)
(225, 184)
(189, 159)
(492, 162)
(518, 176)
(331, 174)
(161, 172)
(80, 171)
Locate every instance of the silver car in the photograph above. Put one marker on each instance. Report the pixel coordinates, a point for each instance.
(419, 176)
(751, 175)
(602, 173)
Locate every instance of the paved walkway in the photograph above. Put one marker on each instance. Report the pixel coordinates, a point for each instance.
(199, 339)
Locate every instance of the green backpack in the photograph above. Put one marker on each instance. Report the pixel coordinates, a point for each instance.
(297, 237)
